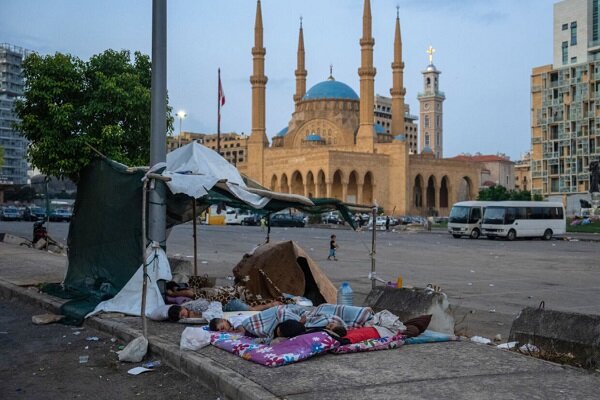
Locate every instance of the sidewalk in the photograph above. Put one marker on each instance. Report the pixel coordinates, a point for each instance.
(453, 370)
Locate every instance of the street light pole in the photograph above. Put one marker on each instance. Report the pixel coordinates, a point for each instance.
(181, 115)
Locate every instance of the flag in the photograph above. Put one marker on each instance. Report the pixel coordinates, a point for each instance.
(221, 93)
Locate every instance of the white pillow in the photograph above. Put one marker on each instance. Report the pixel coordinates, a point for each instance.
(160, 313)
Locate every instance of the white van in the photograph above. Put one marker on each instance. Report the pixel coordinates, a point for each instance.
(235, 216)
(465, 218)
(512, 219)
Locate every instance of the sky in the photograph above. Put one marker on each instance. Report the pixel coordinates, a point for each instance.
(484, 48)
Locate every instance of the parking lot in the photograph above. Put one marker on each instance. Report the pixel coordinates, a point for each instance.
(487, 282)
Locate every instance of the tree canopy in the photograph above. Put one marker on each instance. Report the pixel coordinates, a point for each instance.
(499, 193)
(69, 104)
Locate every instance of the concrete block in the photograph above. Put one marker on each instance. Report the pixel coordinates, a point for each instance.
(560, 332)
(409, 303)
(12, 239)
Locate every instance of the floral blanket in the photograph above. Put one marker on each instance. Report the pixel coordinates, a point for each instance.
(287, 352)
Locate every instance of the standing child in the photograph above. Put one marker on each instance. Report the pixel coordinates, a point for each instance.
(332, 247)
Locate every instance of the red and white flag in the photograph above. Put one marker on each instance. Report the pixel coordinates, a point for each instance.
(221, 93)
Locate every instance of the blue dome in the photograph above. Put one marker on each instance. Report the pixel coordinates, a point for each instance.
(313, 138)
(380, 130)
(282, 132)
(331, 89)
(401, 138)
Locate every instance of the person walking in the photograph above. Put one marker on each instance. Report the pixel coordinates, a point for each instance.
(263, 223)
(332, 248)
(387, 224)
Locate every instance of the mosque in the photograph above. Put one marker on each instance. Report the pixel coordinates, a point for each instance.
(332, 146)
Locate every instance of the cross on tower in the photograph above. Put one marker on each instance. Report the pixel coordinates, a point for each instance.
(430, 51)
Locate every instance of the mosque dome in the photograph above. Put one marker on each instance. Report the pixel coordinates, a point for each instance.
(313, 138)
(331, 89)
(427, 150)
(401, 138)
(379, 129)
(282, 132)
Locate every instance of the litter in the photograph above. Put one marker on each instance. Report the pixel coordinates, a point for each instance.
(151, 364)
(77, 333)
(508, 345)
(529, 348)
(204, 262)
(481, 340)
(491, 285)
(92, 338)
(138, 370)
(83, 359)
(493, 310)
(470, 284)
(86, 348)
(113, 340)
(44, 319)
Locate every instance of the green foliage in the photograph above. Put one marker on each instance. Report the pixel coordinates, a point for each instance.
(1, 156)
(69, 103)
(499, 193)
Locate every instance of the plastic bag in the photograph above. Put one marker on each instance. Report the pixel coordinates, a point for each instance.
(135, 350)
(194, 339)
(387, 320)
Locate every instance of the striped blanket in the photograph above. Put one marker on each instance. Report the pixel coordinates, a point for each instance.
(264, 323)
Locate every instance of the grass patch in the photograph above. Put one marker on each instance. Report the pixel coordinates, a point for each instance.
(594, 227)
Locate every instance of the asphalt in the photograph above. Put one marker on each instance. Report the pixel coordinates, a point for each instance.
(451, 370)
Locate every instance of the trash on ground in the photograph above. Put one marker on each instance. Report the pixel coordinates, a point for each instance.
(135, 350)
(498, 338)
(44, 319)
(92, 338)
(493, 310)
(529, 348)
(77, 333)
(479, 339)
(83, 359)
(151, 364)
(508, 345)
(138, 370)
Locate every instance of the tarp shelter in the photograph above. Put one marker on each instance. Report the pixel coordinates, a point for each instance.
(284, 267)
(104, 239)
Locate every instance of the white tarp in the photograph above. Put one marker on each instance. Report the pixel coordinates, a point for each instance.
(129, 299)
(195, 169)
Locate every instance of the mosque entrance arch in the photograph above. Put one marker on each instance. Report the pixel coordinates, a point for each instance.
(367, 195)
(431, 193)
(444, 193)
(336, 186)
(465, 189)
(310, 184)
(284, 184)
(273, 186)
(321, 184)
(418, 192)
(352, 193)
(297, 183)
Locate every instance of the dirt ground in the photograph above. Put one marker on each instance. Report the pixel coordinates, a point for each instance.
(43, 362)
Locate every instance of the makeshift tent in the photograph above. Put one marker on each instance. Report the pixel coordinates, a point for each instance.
(284, 267)
(104, 241)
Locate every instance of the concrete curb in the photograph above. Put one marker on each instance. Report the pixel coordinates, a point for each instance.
(202, 369)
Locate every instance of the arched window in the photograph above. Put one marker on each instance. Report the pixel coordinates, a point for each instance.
(427, 121)
(427, 139)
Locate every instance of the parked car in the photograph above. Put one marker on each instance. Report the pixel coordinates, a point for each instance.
(251, 220)
(34, 214)
(288, 220)
(10, 214)
(331, 218)
(61, 214)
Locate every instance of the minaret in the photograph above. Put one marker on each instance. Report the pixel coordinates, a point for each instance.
(365, 137)
(258, 138)
(301, 69)
(431, 101)
(398, 91)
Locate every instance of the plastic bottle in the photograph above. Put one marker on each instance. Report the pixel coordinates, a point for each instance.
(345, 295)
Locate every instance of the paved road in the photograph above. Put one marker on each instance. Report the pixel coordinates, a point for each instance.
(43, 362)
(487, 282)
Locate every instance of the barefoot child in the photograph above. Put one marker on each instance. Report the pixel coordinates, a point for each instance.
(332, 248)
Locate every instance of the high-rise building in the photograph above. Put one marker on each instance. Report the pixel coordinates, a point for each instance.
(11, 87)
(383, 118)
(565, 103)
(234, 146)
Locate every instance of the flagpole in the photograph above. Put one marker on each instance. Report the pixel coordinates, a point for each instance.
(219, 113)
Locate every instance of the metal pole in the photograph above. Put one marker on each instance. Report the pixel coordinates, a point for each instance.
(145, 271)
(195, 242)
(219, 113)
(373, 282)
(158, 120)
(268, 228)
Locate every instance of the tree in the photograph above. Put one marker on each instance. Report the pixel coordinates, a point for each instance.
(494, 193)
(1, 156)
(69, 104)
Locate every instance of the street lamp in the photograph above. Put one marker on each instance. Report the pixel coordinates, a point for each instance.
(181, 115)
